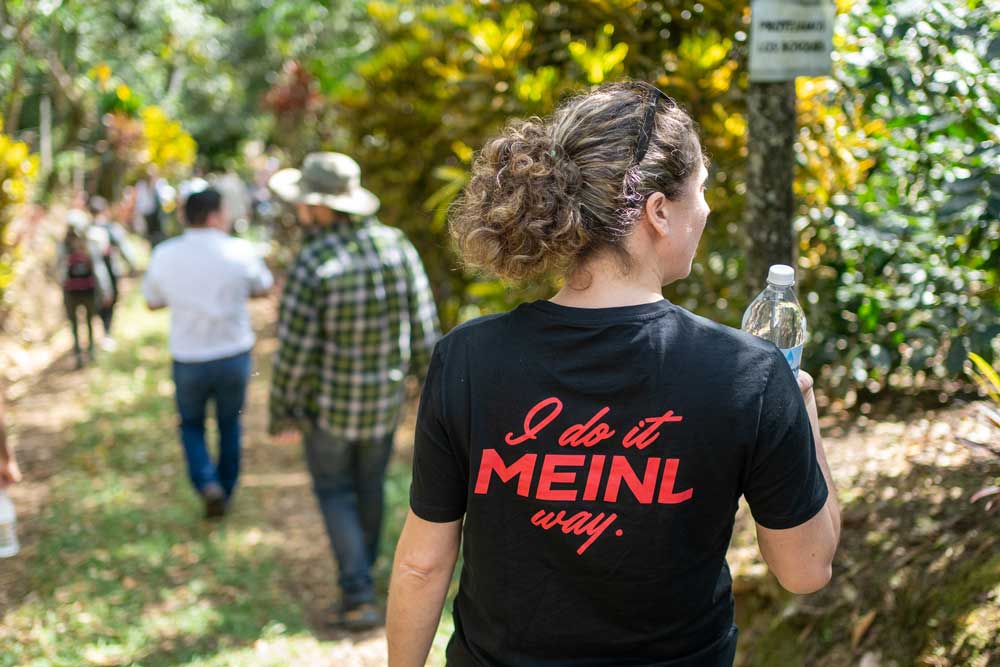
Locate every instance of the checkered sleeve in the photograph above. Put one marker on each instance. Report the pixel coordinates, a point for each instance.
(424, 328)
(298, 338)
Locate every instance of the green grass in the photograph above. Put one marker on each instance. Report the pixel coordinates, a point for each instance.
(127, 573)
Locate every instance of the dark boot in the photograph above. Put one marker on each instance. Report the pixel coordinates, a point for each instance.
(215, 501)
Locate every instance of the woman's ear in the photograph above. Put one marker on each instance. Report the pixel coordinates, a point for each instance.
(656, 213)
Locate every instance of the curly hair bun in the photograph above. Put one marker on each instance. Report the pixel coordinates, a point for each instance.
(519, 216)
(546, 194)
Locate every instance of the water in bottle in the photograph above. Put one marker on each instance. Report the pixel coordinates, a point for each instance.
(8, 527)
(776, 315)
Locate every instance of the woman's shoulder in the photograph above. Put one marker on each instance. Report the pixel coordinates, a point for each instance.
(724, 340)
(474, 330)
(483, 335)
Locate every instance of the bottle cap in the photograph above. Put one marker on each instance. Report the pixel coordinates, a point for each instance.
(781, 275)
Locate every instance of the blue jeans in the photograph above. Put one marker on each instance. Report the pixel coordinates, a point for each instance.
(225, 382)
(348, 482)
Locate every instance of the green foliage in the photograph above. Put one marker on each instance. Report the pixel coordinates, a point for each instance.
(898, 219)
(120, 100)
(899, 204)
(104, 67)
(986, 377)
(445, 76)
(988, 380)
(206, 63)
(909, 282)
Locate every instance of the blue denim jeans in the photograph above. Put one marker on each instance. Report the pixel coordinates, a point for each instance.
(223, 381)
(348, 482)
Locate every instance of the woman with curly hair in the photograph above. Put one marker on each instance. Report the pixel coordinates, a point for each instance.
(589, 450)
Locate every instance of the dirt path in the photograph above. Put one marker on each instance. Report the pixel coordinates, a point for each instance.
(280, 472)
(42, 411)
(45, 404)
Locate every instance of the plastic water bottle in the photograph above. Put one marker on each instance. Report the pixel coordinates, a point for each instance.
(8, 527)
(776, 315)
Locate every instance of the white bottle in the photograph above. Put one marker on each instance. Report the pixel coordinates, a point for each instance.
(776, 315)
(8, 527)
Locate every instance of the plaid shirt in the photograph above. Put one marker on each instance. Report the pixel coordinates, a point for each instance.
(357, 313)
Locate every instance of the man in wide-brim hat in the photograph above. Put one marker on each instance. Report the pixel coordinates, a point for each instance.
(327, 180)
(356, 316)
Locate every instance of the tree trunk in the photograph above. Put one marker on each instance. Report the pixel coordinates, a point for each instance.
(769, 203)
(12, 113)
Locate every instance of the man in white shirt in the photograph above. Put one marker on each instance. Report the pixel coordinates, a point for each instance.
(206, 277)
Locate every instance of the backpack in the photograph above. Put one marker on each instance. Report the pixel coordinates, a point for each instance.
(80, 274)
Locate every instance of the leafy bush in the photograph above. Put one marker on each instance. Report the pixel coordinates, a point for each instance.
(18, 169)
(907, 284)
(897, 183)
(445, 77)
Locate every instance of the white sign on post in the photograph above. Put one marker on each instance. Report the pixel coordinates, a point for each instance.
(790, 38)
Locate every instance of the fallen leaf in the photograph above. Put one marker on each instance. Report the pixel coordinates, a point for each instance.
(870, 660)
(861, 627)
(989, 412)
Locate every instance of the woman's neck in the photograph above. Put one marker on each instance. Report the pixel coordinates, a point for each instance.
(602, 284)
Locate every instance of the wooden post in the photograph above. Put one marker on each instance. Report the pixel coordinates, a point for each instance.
(788, 38)
(769, 205)
(45, 127)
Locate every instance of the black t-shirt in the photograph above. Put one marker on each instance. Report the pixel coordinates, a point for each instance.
(597, 456)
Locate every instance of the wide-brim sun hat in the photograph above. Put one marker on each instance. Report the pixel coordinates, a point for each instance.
(332, 180)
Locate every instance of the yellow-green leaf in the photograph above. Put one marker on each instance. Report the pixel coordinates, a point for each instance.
(988, 373)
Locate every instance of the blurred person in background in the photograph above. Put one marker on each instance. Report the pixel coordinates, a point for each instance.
(84, 278)
(79, 202)
(115, 249)
(195, 182)
(357, 314)
(126, 212)
(149, 207)
(235, 198)
(205, 277)
(263, 207)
